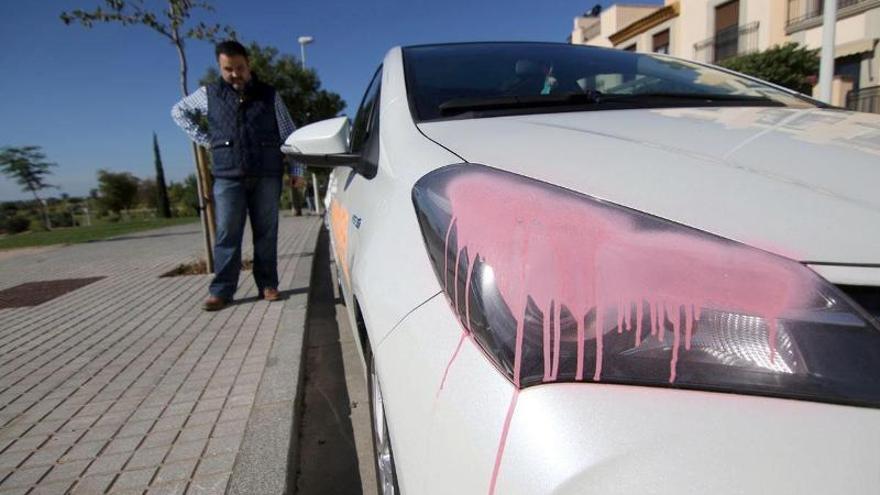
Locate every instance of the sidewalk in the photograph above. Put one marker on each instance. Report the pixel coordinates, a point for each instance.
(125, 385)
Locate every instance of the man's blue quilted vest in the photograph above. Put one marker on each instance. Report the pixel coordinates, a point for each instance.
(244, 130)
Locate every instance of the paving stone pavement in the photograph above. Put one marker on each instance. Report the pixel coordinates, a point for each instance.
(126, 385)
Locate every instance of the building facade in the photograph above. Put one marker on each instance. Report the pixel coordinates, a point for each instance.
(856, 55)
(714, 30)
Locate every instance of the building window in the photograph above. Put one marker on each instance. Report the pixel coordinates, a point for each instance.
(726, 31)
(630, 48)
(661, 42)
(726, 16)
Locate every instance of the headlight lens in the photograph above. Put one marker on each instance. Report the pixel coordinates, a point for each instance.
(558, 286)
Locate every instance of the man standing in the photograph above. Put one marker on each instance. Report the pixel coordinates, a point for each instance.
(247, 123)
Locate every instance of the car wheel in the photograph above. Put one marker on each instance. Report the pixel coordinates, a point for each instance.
(386, 475)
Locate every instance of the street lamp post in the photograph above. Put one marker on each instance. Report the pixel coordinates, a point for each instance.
(303, 41)
(826, 63)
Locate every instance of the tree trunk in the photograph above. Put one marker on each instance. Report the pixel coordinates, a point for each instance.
(201, 171)
(43, 206)
(181, 55)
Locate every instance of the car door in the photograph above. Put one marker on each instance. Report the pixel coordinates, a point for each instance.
(349, 192)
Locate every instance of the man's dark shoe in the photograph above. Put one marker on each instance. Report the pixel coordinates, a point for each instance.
(214, 303)
(270, 294)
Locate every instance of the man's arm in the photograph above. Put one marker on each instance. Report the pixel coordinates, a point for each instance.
(285, 129)
(187, 113)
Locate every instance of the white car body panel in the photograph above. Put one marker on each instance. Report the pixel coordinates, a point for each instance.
(587, 438)
(618, 440)
(850, 275)
(572, 439)
(688, 165)
(445, 441)
(380, 252)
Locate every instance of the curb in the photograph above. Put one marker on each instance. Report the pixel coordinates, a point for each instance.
(270, 444)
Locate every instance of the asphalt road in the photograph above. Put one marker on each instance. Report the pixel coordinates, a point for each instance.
(335, 449)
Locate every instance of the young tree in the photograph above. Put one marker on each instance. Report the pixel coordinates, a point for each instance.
(28, 167)
(175, 23)
(789, 65)
(300, 88)
(161, 190)
(118, 190)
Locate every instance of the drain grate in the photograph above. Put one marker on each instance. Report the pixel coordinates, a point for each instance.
(34, 293)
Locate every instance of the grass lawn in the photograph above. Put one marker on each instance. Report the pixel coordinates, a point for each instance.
(97, 231)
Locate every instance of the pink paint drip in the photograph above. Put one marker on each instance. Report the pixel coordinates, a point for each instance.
(548, 358)
(688, 325)
(555, 247)
(654, 320)
(600, 332)
(579, 374)
(640, 313)
(461, 339)
(557, 342)
(499, 454)
(455, 279)
(676, 340)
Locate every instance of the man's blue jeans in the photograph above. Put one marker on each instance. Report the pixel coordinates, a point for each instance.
(258, 198)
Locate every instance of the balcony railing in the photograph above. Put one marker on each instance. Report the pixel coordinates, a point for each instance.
(727, 43)
(807, 11)
(864, 100)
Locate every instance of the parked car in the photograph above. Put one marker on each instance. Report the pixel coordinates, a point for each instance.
(581, 270)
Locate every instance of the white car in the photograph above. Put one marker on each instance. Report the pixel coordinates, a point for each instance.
(578, 270)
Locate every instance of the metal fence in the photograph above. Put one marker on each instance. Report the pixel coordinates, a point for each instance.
(727, 43)
(864, 100)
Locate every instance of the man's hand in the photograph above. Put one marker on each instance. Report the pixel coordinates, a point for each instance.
(297, 182)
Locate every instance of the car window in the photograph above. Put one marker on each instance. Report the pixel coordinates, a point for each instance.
(529, 74)
(363, 125)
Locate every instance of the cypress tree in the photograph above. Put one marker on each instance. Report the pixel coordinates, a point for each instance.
(162, 203)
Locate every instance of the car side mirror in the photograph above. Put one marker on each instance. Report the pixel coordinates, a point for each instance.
(322, 144)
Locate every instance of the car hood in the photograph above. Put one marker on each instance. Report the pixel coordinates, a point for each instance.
(803, 183)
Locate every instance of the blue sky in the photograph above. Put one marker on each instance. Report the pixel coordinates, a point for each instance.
(92, 98)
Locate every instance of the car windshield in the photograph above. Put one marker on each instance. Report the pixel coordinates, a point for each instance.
(489, 79)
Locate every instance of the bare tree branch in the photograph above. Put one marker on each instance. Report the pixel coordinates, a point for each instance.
(171, 23)
(165, 22)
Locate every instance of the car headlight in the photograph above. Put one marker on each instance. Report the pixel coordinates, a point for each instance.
(557, 286)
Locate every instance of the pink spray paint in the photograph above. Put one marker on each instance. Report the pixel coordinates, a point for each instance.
(559, 249)
(461, 339)
(499, 454)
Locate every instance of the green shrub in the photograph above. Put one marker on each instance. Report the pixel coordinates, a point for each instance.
(789, 65)
(36, 224)
(17, 224)
(61, 219)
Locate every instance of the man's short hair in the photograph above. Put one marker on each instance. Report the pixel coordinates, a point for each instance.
(230, 48)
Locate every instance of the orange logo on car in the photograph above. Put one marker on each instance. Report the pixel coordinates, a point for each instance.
(339, 220)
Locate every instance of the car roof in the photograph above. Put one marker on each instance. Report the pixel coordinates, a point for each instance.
(520, 42)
